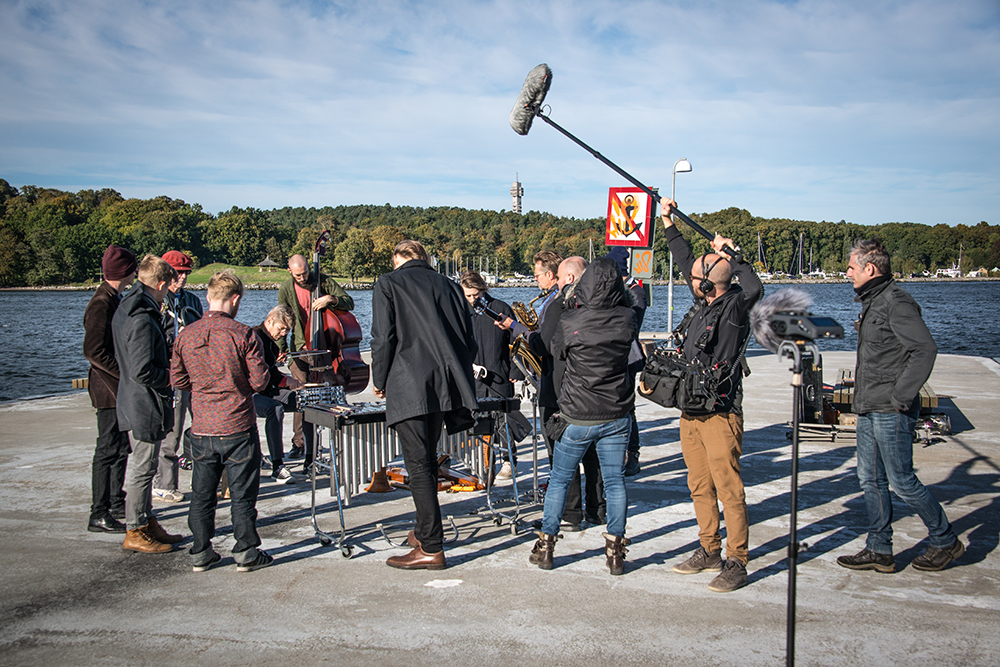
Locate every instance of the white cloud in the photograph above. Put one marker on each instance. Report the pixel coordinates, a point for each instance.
(807, 110)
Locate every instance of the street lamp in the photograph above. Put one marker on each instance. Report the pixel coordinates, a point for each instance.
(682, 166)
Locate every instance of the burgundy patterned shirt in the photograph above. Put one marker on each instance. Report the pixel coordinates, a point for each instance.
(221, 362)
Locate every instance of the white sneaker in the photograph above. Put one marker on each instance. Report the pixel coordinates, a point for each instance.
(282, 476)
(505, 472)
(168, 495)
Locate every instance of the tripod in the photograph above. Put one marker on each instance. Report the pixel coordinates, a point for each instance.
(800, 352)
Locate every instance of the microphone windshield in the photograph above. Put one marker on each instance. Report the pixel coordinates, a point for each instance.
(760, 317)
(533, 92)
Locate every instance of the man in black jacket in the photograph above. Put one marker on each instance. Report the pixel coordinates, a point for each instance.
(111, 453)
(712, 439)
(895, 357)
(422, 351)
(145, 400)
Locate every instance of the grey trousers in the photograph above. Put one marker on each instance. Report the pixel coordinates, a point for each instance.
(139, 475)
(170, 448)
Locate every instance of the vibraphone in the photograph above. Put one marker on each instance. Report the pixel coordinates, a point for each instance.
(361, 444)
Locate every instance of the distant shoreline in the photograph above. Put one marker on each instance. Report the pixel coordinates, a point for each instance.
(512, 283)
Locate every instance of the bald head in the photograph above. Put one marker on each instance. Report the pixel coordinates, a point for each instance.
(719, 271)
(570, 270)
(299, 268)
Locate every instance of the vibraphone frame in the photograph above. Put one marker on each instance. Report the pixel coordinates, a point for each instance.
(361, 444)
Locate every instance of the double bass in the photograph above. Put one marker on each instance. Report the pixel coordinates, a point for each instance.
(337, 334)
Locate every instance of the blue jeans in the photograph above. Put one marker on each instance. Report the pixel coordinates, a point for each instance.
(239, 456)
(885, 458)
(611, 441)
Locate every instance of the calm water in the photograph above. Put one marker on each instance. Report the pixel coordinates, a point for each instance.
(41, 333)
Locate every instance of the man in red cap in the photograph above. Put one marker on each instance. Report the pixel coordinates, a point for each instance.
(118, 266)
(181, 308)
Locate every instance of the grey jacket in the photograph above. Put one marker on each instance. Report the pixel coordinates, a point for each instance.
(895, 351)
(145, 400)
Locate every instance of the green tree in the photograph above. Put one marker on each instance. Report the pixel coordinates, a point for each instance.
(354, 254)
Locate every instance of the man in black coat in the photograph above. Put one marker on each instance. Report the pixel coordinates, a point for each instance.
(422, 351)
(111, 453)
(145, 400)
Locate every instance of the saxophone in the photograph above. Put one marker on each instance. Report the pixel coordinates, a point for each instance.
(526, 315)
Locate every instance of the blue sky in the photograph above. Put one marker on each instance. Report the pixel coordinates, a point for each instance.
(867, 111)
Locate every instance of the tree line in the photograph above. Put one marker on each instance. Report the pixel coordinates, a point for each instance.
(51, 237)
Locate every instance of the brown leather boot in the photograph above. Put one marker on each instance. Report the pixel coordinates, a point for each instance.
(614, 548)
(157, 532)
(140, 540)
(542, 552)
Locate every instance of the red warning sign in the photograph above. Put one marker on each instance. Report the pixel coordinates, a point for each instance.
(629, 218)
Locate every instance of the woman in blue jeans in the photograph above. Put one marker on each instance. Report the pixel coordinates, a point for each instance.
(596, 397)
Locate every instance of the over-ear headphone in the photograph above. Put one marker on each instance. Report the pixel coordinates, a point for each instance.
(707, 285)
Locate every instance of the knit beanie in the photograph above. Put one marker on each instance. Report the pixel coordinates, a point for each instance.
(117, 263)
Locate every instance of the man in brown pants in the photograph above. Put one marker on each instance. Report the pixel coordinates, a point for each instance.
(715, 333)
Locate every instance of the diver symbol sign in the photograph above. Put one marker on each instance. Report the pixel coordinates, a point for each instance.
(629, 218)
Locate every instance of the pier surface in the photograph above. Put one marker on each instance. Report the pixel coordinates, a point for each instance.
(76, 598)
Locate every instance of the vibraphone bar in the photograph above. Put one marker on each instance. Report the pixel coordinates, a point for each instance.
(363, 444)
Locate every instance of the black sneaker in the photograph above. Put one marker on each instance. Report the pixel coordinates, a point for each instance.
(732, 577)
(700, 561)
(207, 566)
(295, 453)
(263, 559)
(935, 559)
(869, 560)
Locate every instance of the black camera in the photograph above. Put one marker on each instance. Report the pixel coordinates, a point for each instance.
(798, 324)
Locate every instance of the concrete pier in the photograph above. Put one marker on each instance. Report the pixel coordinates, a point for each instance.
(76, 598)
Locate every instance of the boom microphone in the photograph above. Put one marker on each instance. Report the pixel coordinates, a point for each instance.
(761, 314)
(536, 85)
(533, 92)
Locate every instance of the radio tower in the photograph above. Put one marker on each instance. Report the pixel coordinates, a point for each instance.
(516, 192)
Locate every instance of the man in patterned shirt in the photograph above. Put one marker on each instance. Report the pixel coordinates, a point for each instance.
(221, 362)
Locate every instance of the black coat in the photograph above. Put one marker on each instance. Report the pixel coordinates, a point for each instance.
(145, 400)
(494, 350)
(593, 337)
(99, 346)
(422, 343)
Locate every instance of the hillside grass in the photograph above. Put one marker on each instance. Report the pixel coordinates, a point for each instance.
(251, 275)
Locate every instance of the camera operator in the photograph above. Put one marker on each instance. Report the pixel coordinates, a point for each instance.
(715, 335)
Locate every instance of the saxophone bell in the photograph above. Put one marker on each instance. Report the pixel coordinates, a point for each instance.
(526, 315)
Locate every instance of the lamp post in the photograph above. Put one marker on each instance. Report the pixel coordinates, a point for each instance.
(682, 166)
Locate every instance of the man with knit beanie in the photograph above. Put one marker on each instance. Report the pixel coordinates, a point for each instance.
(118, 266)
